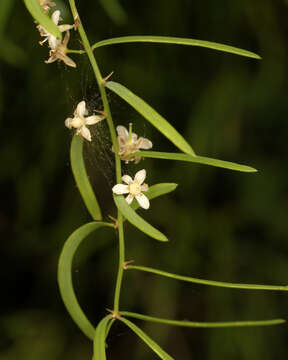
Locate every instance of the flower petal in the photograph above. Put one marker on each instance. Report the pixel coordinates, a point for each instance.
(90, 120)
(68, 123)
(127, 179)
(122, 131)
(144, 187)
(53, 42)
(65, 27)
(66, 39)
(134, 137)
(67, 60)
(140, 176)
(81, 108)
(120, 189)
(129, 198)
(144, 143)
(51, 59)
(84, 132)
(56, 16)
(143, 201)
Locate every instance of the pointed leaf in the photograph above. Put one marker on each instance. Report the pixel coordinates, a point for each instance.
(65, 275)
(209, 282)
(195, 159)
(179, 41)
(44, 20)
(143, 336)
(151, 115)
(155, 191)
(137, 220)
(81, 178)
(100, 338)
(204, 324)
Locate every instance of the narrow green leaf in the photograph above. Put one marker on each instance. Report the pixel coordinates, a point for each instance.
(44, 20)
(65, 276)
(204, 324)
(115, 11)
(175, 40)
(209, 282)
(143, 336)
(155, 191)
(151, 115)
(100, 338)
(137, 220)
(81, 178)
(195, 159)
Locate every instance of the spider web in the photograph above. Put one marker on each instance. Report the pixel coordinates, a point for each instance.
(98, 157)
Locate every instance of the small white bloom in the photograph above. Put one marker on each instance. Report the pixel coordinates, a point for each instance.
(80, 120)
(46, 5)
(59, 53)
(134, 188)
(52, 40)
(129, 143)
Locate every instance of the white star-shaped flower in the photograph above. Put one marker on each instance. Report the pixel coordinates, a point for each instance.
(129, 143)
(134, 188)
(52, 40)
(46, 5)
(80, 120)
(59, 53)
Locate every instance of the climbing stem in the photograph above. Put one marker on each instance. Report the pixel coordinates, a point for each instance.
(101, 84)
(107, 111)
(121, 263)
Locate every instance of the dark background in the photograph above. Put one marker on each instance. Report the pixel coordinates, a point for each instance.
(222, 225)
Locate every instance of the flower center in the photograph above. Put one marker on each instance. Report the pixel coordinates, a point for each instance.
(134, 188)
(77, 122)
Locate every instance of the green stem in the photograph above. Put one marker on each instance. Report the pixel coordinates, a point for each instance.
(101, 84)
(203, 324)
(121, 263)
(71, 51)
(208, 282)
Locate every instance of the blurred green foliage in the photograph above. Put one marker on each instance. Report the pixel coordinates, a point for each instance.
(221, 225)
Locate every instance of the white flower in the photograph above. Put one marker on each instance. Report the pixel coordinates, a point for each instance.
(46, 5)
(134, 188)
(80, 120)
(129, 143)
(59, 53)
(52, 40)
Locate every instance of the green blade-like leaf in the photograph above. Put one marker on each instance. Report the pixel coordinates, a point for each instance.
(195, 159)
(151, 115)
(208, 282)
(81, 178)
(100, 338)
(155, 191)
(137, 220)
(39, 15)
(115, 11)
(204, 324)
(179, 41)
(65, 275)
(151, 343)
